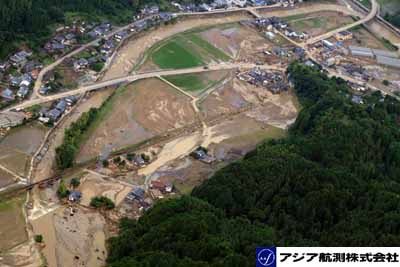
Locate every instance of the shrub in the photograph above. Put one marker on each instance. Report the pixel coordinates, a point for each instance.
(38, 238)
(75, 182)
(102, 202)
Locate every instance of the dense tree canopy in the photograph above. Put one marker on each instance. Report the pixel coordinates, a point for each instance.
(333, 182)
(29, 21)
(187, 232)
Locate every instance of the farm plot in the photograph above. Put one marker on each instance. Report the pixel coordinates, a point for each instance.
(197, 83)
(136, 113)
(279, 110)
(223, 100)
(19, 145)
(5, 179)
(238, 41)
(12, 223)
(318, 23)
(183, 50)
(363, 37)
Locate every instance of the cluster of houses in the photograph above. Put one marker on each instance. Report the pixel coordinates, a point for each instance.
(60, 43)
(106, 47)
(145, 198)
(269, 23)
(20, 80)
(69, 36)
(219, 4)
(274, 81)
(58, 108)
(355, 70)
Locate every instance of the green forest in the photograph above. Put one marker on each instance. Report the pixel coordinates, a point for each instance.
(334, 181)
(394, 19)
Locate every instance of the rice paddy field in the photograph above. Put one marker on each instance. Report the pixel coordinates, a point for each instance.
(197, 83)
(184, 50)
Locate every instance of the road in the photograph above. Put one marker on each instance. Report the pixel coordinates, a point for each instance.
(139, 76)
(38, 83)
(35, 94)
(38, 99)
(374, 11)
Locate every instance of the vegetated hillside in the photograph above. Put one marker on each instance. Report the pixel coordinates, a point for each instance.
(29, 21)
(333, 182)
(390, 10)
(394, 19)
(187, 232)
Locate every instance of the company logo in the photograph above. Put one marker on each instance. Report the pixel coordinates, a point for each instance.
(266, 257)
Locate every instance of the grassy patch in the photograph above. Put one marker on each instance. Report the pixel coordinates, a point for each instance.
(188, 82)
(366, 3)
(197, 82)
(388, 45)
(174, 55)
(185, 50)
(209, 48)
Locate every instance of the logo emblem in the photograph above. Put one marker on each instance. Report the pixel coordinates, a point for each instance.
(266, 257)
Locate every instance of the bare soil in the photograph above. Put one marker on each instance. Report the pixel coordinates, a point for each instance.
(362, 37)
(93, 185)
(320, 22)
(158, 107)
(6, 179)
(12, 223)
(240, 42)
(77, 240)
(117, 129)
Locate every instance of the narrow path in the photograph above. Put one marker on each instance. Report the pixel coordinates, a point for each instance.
(20, 178)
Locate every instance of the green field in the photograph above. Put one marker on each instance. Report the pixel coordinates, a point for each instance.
(197, 82)
(175, 55)
(184, 50)
(188, 82)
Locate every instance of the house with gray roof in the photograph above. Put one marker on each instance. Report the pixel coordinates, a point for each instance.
(7, 94)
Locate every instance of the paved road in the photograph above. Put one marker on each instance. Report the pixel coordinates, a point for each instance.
(38, 83)
(38, 99)
(251, 10)
(139, 76)
(371, 15)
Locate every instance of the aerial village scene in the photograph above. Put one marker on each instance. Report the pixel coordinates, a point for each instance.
(106, 120)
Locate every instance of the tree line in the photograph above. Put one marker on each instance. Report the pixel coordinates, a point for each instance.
(73, 137)
(334, 181)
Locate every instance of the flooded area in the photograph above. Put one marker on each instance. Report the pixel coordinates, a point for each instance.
(73, 240)
(12, 223)
(17, 148)
(138, 112)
